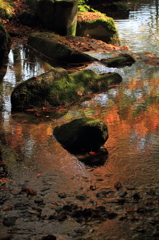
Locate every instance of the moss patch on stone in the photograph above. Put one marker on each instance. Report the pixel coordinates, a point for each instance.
(57, 87)
(97, 26)
(119, 61)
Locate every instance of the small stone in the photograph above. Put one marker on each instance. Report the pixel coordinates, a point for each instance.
(6, 237)
(10, 221)
(21, 206)
(45, 189)
(38, 200)
(93, 187)
(136, 196)
(151, 192)
(99, 179)
(81, 197)
(62, 195)
(80, 230)
(37, 209)
(49, 237)
(122, 194)
(117, 185)
(130, 187)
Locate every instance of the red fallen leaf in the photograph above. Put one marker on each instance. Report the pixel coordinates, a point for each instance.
(39, 175)
(29, 191)
(33, 212)
(38, 114)
(7, 208)
(93, 153)
(31, 110)
(5, 188)
(117, 185)
(129, 210)
(3, 181)
(44, 108)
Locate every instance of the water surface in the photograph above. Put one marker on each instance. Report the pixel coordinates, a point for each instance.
(130, 110)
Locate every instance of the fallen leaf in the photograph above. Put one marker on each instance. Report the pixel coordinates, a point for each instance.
(33, 212)
(7, 208)
(29, 191)
(117, 185)
(93, 153)
(80, 93)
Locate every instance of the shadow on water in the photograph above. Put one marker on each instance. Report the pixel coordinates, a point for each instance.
(93, 159)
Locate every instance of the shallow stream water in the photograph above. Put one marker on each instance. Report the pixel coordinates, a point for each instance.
(130, 110)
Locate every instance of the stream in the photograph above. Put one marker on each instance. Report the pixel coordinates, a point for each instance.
(130, 110)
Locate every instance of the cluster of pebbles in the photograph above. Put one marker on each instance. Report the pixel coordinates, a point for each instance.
(89, 214)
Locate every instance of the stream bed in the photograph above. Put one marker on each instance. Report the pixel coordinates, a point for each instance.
(126, 184)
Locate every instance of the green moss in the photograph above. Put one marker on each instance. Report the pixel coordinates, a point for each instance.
(119, 61)
(71, 31)
(84, 7)
(57, 88)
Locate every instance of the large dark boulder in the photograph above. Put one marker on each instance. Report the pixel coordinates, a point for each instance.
(51, 46)
(57, 87)
(59, 16)
(84, 134)
(4, 43)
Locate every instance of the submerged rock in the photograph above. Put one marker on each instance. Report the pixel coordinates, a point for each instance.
(57, 87)
(84, 134)
(119, 61)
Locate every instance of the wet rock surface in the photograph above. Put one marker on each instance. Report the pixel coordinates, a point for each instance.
(84, 134)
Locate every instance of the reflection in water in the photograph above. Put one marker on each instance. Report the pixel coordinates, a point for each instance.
(93, 159)
(140, 31)
(22, 64)
(130, 110)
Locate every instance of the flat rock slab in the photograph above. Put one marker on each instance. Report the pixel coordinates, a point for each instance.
(51, 46)
(119, 61)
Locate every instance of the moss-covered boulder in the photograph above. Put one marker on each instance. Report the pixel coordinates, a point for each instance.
(4, 43)
(119, 61)
(51, 46)
(84, 134)
(57, 87)
(97, 26)
(59, 15)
